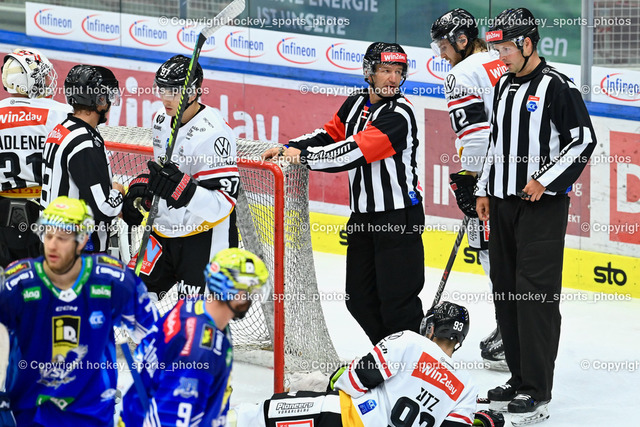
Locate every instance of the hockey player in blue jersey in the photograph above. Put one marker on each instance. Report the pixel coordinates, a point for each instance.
(186, 360)
(62, 308)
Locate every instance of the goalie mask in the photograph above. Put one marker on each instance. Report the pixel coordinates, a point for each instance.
(232, 271)
(446, 320)
(383, 53)
(28, 72)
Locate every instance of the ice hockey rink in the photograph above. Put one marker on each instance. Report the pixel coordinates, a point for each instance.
(597, 369)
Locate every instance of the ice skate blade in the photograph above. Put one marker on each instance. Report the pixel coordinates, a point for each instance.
(499, 405)
(540, 414)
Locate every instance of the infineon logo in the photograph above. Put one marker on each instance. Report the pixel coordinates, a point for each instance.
(239, 44)
(344, 57)
(97, 27)
(438, 67)
(147, 35)
(293, 51)
(52, 23)
(616, 86)
(188, 36)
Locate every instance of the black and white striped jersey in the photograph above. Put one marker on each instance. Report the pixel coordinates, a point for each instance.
(76, 165)
(377, 144)
(540, 129)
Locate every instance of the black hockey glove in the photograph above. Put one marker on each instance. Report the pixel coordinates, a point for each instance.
(6, 417)
(488, 418)
(138, 193)
(175, 187)
(463, 186)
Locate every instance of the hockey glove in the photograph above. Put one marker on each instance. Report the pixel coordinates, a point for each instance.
(488, 418)
(175, 187)
(463, 186)
(6, 417)
(138, 195)
(334, 377)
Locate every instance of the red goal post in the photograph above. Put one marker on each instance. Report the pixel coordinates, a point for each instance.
(288, 330)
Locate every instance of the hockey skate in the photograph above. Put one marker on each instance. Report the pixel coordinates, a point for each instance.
(500, 397)
(490, 339)
(525, 410)
(494, 355)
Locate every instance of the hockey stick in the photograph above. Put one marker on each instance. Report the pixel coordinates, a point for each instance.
(452, 258)
(234, 9)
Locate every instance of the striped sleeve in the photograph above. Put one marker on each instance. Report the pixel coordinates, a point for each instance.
(369, 371)
(577, 137)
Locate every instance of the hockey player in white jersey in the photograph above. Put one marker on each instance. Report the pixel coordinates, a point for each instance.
(469, 93)
(408, 380)
(26, 118)
(75, 158)
(197, 187)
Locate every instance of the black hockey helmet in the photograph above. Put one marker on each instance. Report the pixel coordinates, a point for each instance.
(513, 25)
(450, 26)
(173, 73)
(91, 86)
(384, 53)
(446, 320)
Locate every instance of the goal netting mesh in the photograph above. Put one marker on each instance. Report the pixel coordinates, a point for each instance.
(273, 196)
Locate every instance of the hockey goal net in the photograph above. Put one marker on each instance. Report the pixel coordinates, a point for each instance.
(287, 330)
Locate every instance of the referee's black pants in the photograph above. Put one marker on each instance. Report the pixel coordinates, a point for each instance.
(526, 247)
(385, 270)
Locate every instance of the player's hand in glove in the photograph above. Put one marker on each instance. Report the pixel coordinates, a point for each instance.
(138, 195)
(463, 186)
(488, 418)
(175, 187)
(335, 375)
(6, 417)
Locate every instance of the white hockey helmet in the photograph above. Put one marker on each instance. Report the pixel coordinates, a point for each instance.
(28, 72)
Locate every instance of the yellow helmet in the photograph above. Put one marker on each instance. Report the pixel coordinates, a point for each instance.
(67, 214)
(232, 270)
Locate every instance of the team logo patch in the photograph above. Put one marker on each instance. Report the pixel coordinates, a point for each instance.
(32, 294)
(100, 291)
(16, 268)
(206, 341)
(435, 373)
(160, 118)
(190, 329)
(222, 147)
(450, 83)
(66, 334)
(532, 103)
(188, 388)
(96, 319)
(367, 406)
(108, 261)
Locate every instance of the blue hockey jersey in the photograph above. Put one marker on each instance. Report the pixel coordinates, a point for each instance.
(185, 367)
(66, 373)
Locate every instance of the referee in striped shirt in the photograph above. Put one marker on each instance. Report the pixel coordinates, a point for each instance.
(541, 140)
(373, 136)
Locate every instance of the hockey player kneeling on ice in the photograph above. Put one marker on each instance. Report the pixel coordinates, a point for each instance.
(62, 308)
(408, 379)
(30, 80)
(187, 360)
(197, 186)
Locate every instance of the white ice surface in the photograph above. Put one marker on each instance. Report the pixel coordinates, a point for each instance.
(594, 334)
